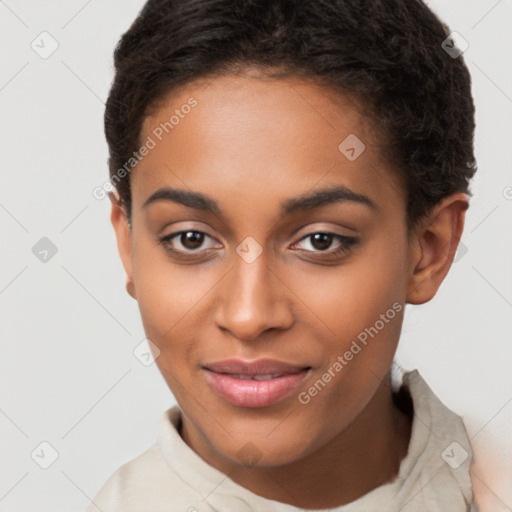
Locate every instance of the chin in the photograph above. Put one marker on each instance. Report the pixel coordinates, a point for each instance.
(260, 452)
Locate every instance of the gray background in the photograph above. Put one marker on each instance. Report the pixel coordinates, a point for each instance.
(68, 375)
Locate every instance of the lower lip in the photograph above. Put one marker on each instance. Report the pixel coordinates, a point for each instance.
(254, 393)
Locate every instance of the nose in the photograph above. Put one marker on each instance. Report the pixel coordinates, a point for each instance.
(252, 299)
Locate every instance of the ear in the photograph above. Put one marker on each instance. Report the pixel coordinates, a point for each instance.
(433, 247)
(122, 229)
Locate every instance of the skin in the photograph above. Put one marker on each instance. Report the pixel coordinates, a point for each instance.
(251, 143)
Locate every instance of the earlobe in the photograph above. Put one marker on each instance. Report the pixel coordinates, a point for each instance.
(436, 242)
(130, 288)
(120, 223)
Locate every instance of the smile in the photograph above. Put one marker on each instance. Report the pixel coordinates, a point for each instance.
(254, 384)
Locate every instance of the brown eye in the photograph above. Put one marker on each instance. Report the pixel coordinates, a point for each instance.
(186, 243)
(321, 243)
(192, 239)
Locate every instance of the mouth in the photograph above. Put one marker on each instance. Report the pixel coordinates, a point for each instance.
(258, 383)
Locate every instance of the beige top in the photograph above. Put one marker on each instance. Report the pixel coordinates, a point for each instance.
(170, 476)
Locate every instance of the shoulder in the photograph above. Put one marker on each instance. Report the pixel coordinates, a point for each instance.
(437, 467)
(146, 482)
(127, 482)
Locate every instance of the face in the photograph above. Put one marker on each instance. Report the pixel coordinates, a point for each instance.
(251, 262)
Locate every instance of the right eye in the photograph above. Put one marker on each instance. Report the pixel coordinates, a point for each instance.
(191, 241)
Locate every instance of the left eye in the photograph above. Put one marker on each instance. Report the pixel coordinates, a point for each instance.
(321, 241)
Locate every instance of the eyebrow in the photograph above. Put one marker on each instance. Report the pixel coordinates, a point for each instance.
(307, 201)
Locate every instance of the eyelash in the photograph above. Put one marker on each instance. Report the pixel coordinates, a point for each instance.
(345, 243)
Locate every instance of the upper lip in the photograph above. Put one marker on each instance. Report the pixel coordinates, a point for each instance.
(257, 367)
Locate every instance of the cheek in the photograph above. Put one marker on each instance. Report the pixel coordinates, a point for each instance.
(352, 296)
(169, 297)
(362, 305)
(359, 307)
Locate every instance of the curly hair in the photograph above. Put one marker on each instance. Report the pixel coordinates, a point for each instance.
(388, 54)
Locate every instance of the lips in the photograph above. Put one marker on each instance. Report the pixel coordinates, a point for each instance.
(254, 383)
(254, 368)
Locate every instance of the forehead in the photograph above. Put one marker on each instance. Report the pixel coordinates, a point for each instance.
(240, 136)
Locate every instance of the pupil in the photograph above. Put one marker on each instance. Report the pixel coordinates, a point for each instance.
(192, 239)
(321, 241)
